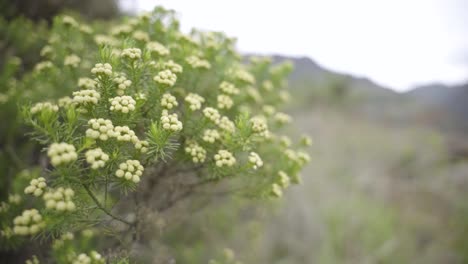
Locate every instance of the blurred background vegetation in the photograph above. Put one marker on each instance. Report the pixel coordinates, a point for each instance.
(387, 182)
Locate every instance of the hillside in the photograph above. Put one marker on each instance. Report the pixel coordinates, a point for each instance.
(435, 105)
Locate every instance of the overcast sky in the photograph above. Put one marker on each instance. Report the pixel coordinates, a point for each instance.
(396, 43)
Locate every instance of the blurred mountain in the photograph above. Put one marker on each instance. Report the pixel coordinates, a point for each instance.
(444, 107)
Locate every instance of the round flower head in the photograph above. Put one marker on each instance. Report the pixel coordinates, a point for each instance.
(86, 29)
(211, 135)
(142, 145)
(33, 260)
(276, 190)
(105, 40)
(87, 83)
(244, 76)
(172, 66)
(170, 122)
(122, 83)
(124, 133)
(195, 101)
(60, 199)
(86, 97)
(43, 65)
(255, 160)
(197, 153)
(123, 104)
(72, 60)
(96, 158)
(168, 101)
(14, 198)
(61, 153)
(212, 114)
(102, 69)
(46, 51)
(100, 129)
(130, 170)
(69, 21)
(123, 29)
(36, 186)
(283, 179)
(259, 126)
(224, 102)
(39, 107)
(268, 110)
(166, 77)
(196, 62)
(285, 141)
(82, 259)
(228, 88)
(141, 36)
(224, 158)
(226, 124)
(282, 118)
(65, 101)
(131, 54)
(30, 222)
(158, 48)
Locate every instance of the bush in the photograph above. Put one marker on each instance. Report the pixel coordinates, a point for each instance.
(130, 118)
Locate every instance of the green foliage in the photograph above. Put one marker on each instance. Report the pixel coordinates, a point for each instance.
(134, 119)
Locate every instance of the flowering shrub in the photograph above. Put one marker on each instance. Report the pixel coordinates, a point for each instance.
(140, 116)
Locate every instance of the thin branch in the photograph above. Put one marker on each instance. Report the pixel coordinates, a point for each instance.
(98, 204)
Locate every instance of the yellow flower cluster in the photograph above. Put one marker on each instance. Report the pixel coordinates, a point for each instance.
(212, 114)
(61, 153)
(123, 104)
(130, 170)
(131, 54)
(100, 129)
(86, 97)
(224, 158)
(141, 36)
(282, 118)
(87, 83)
(224, 102)
(158, 48)
(259, 126)
(226, 124)
(122, 83)
(93, 258)
(72, 60)
(30, 222)
(36, 186)
(228, 88)
(102, 69)
(197, 152)
(43, 65)
(255, 160)
(172, 66)
(142, 145)
(195, 62)
(170, 122)
(39, 107)
(211, 135)
(96, 158)
(168, 101)
(124, 133)
(195, 101)
(166, 77)
(60, 199)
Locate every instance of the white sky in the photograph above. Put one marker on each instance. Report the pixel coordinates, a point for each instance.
(396, 43)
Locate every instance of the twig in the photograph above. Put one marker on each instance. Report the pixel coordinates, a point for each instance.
(98, 204)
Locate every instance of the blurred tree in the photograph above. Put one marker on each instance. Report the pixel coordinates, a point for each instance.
(46, 9)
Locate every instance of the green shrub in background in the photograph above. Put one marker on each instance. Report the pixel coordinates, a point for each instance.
(128, 119)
